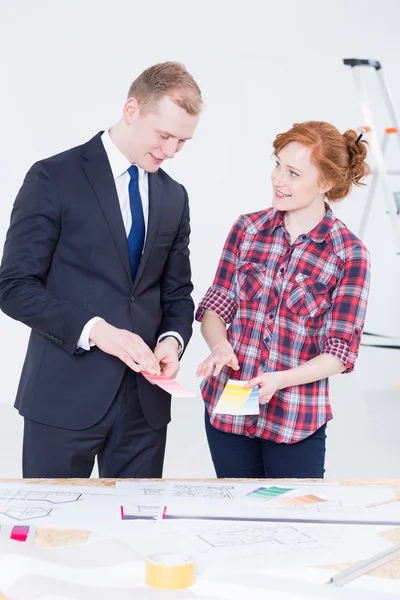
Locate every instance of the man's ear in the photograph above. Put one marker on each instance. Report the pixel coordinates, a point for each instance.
(131, 110)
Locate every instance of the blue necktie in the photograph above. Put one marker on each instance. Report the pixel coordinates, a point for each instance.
(137, 232)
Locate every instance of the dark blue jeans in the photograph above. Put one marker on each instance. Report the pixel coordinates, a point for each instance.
(240, 456)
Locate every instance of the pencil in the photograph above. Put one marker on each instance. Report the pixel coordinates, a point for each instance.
(397, 499)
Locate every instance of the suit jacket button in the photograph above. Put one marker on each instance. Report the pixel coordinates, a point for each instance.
(133, 299)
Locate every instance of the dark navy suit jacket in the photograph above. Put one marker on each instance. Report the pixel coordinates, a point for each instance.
(66, 260)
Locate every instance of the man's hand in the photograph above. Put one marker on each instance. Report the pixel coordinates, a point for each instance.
(268, 384)
(125, 345)
(222, 355)
(166, 352)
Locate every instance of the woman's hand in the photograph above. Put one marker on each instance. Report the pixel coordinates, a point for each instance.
(221, 356)
(268, 384)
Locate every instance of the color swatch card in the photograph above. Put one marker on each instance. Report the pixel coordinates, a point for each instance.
(307, 501)
(237, 400)
(169, 385)
(264, 494)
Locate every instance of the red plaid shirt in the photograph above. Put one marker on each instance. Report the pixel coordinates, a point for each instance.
(285, 305)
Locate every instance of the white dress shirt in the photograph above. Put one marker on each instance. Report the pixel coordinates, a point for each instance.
(119, 166)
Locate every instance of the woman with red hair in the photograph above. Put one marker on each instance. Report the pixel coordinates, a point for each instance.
(286, 309)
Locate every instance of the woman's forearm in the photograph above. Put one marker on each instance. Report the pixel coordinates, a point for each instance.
(319, 367)
(213, 329)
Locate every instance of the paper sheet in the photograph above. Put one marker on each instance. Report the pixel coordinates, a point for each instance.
(101, 553)
(144, 499)
(93, 570)
(39, 587)
(231, 546)
(368, 583)
(239, 587)
(141, 499)
(339, 504)
(274, 588)
(106, 562)
(59, 507)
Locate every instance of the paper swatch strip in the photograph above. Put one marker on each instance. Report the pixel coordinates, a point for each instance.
(169, 385)
(237, 400)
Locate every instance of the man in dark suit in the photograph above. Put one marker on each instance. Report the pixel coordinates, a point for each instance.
(96, 263)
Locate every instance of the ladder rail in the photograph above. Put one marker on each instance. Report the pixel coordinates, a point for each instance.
(389, 103)
(374, 143)
(372, 187)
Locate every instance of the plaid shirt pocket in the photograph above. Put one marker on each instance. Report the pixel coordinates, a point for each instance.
(251, 280)
(309, 298)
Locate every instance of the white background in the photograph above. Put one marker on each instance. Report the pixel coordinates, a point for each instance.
(66, 67)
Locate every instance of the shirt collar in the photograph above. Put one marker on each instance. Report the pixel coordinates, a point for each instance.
(118, 162)
(277, 220)
(320, 231)
(324, 227)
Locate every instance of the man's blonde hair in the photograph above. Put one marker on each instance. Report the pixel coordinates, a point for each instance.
(166, 79)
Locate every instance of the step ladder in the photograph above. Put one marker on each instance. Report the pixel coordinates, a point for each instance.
(378, 147)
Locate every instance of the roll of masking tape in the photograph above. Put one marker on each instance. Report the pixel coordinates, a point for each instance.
(169, 571)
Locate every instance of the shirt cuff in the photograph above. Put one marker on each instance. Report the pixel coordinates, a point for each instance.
(84, 342)
(220, 303)
(341, 349)
(177, 336)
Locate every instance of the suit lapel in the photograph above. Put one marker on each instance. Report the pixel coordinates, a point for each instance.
(155, 211)
(99, 173)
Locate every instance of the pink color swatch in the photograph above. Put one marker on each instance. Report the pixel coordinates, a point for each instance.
(19, 533)
(169, 385)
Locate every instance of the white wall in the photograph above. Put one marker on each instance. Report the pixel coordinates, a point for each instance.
(262, 65)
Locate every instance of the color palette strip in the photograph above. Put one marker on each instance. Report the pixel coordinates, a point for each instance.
(169, 385)
(263, 494)
(237, 400)
(298, 501)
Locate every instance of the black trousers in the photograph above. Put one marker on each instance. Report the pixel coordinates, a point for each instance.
(240, 456)
(124, 443)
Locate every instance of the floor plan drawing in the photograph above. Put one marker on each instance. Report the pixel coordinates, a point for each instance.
(58, 506)
(155, 492)
(258, 535)
(139, 511)
(11, 495)
(202, 491)
(25, 513)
